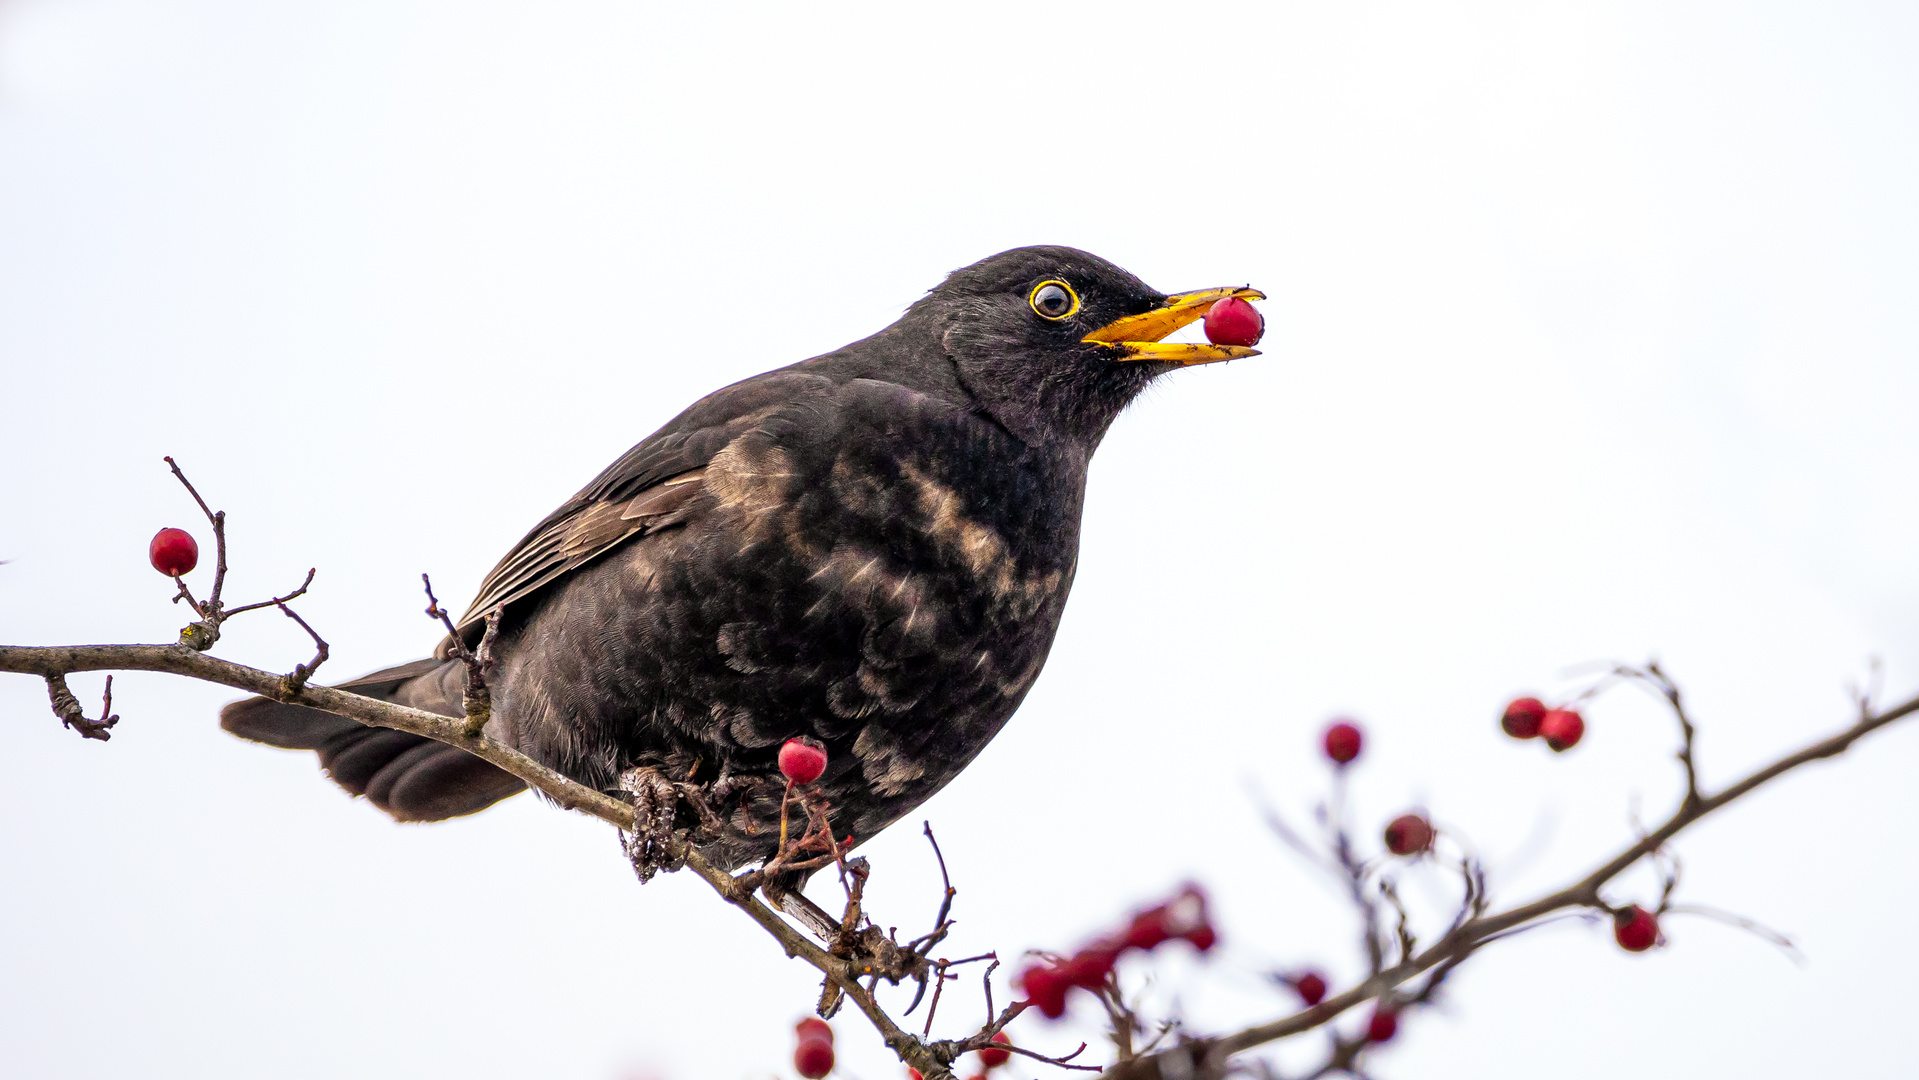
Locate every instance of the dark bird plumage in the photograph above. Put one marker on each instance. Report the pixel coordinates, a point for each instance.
(872, 548)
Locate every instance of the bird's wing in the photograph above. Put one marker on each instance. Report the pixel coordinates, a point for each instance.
(649, 488)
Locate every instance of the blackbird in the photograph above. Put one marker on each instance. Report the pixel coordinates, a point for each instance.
(871, 548)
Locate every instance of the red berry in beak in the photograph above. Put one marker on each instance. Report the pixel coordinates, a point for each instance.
(993, 1058)
(1343, 742)
(1635, 928)
(173, 552)
(1383, 1026)
(1561, 728)
(802, 761)
(813, 1058)
(813, 1028)
(1409, 834)
(1311, 987)
(1233, 321)
(1522, 717)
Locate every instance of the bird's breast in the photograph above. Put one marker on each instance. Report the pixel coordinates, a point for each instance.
(912, 579)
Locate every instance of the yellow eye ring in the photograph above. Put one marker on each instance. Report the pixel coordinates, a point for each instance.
(1047, 297)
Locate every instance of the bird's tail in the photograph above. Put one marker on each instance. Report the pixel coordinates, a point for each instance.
(409, 776)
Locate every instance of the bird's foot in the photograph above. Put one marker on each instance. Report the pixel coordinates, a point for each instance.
(649, 847)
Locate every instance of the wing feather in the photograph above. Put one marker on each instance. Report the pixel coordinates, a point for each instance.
(651, 487)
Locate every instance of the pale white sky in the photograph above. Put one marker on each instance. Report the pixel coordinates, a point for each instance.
(1591, 336)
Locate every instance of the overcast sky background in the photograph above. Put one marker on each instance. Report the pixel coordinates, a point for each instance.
(1591, 336)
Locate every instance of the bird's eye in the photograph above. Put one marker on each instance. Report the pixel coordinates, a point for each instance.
(1053, 300)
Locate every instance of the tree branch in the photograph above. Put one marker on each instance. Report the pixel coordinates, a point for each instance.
(53, 663)
(1209, 1057)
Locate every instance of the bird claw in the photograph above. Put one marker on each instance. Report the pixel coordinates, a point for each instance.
(649, 847)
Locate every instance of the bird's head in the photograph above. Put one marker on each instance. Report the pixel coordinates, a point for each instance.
(1055, 342)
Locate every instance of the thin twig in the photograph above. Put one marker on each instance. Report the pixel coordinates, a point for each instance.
(204, 633)
(1752, 926)
(476, 698)
(276, 601)
(297, 678)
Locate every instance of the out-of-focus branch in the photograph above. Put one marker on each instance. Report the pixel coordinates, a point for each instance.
(1201, 1058)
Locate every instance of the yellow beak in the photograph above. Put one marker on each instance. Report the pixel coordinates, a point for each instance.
(1138, 336)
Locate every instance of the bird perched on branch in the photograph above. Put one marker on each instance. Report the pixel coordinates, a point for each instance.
(871, 548)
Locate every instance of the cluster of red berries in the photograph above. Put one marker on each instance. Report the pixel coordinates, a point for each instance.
(1182, 918)
(1233, 321)
(1635, 928)
(173, 552)
(1528, 717)
(813, 1057)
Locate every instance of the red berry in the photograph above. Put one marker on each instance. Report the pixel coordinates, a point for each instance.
(1635, 928)
(992, 1057)
(802, 760)
(1311, 987)
(1233, 321)
(1343, 742)
(1090, 966)
(1561, 728)
(173, 552)
(813, 1058)
(1046, 989)
(813, 1028)
(1383, 1026)
(1409, 834)
(1522, 717)
(1148, 929)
